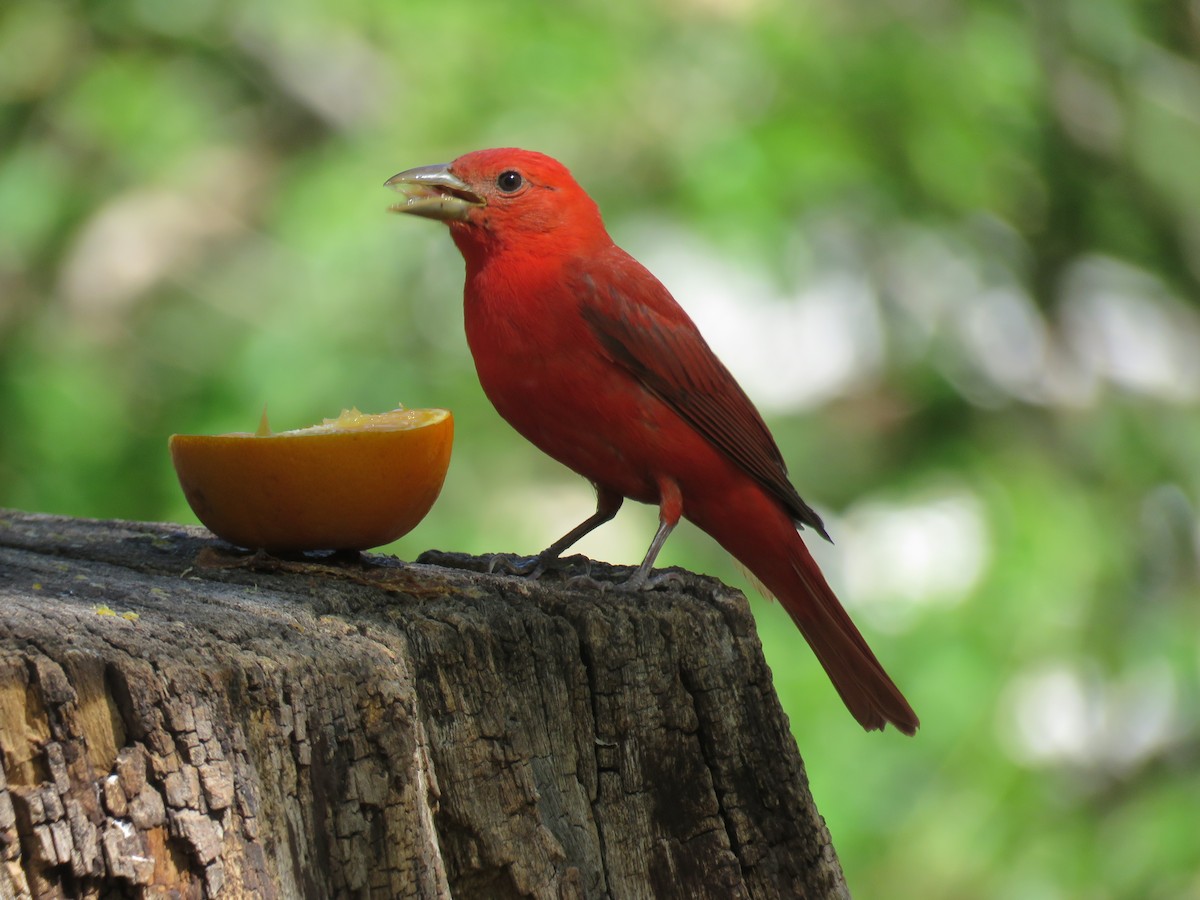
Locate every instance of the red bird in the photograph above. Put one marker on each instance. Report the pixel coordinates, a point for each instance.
(588, 356)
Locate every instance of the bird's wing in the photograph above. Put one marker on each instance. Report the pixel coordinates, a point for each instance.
(638, 322)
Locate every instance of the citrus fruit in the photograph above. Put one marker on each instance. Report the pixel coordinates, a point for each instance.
(350, 483)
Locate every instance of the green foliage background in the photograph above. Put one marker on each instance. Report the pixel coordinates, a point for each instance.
(192, 225)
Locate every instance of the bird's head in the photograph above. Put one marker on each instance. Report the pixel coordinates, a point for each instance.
(502, 199)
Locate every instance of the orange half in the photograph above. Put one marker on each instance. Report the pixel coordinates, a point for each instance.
(350, 483)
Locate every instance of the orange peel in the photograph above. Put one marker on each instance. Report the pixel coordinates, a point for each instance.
(351, 483)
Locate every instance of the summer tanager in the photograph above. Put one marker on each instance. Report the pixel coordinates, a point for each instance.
(588, 356)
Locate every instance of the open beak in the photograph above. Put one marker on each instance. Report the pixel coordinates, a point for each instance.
(433, 192)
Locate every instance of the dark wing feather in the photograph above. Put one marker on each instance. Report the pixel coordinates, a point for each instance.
(655, 340)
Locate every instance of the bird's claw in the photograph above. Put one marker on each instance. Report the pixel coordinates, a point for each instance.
(642, 580)
(511, 564)
(635, 583)
(589, 582)
(534, 567)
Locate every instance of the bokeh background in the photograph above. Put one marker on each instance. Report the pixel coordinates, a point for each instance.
(952, 249)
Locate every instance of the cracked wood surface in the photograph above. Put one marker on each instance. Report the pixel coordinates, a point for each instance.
(178, 719)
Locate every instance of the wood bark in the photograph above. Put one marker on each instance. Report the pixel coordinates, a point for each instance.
(181, 719)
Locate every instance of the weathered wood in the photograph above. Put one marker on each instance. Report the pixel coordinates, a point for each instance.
(180, 719)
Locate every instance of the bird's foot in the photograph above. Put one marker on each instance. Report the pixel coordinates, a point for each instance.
(532, 567)
(648, 580)
(511, 564)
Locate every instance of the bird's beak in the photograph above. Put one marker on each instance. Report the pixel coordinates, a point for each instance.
(434, 192)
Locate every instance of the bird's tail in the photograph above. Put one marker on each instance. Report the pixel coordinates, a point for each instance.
(776, 555)
(870, 695)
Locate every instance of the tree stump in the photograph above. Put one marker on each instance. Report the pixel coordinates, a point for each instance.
(181, 719)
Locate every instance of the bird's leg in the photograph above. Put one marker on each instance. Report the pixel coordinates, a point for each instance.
(641, 578)
(607, 504)
(670, 508)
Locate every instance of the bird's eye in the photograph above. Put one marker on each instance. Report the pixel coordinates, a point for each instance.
(509, 181)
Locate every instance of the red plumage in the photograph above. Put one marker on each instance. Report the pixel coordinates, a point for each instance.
(589, 357)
